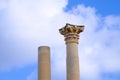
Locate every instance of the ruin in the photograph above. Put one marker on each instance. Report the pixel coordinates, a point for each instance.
(71, 34)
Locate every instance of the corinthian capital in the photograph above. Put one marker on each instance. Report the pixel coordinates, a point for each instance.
(69, 28)
(71, 32)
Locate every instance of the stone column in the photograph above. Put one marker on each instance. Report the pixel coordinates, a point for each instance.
(44, 72)
(71, 34)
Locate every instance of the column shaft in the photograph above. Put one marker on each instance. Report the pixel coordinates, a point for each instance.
(71, 34)
(44, 72)
(72, 62)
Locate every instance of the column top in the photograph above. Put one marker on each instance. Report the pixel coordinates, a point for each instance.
(43, 50)
(44, 47)
(70, 28)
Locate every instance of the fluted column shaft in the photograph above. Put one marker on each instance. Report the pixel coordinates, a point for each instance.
(44, 72)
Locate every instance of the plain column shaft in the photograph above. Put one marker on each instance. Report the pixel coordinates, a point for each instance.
(71, 34)
(44, 72)
(72, 62)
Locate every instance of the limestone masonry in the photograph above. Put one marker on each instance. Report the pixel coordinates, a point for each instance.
(44, 72)
(71, 34)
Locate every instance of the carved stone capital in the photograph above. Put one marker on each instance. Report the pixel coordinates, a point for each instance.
(71, 32)
(71, 38)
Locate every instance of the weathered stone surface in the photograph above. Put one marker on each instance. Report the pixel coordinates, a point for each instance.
(69, 28)
(71, 34)
(44, 72)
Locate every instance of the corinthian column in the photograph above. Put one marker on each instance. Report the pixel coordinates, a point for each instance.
(71, 34)
(44, 63)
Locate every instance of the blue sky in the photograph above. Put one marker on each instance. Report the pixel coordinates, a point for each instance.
(104, 7)
(27, 24)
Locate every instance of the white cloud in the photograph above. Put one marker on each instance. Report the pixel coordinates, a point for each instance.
(99, 51)
(3, 4)
(28, 26)
(36, 22)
